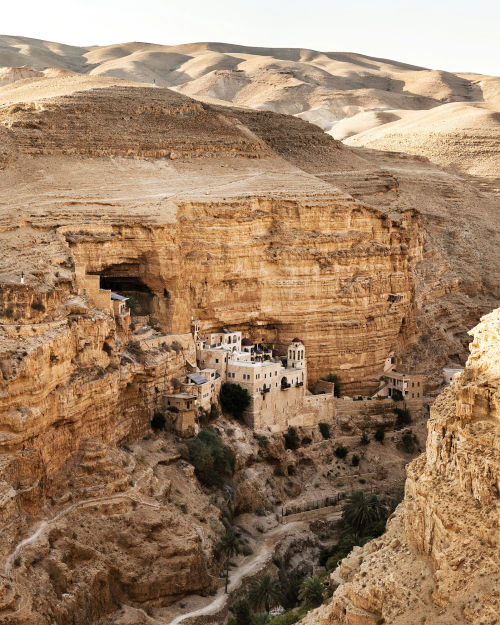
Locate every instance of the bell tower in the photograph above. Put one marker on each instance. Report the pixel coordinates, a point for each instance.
(296, 355)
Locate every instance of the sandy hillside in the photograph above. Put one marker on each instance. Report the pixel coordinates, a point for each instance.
(321, 87)
(464, 136)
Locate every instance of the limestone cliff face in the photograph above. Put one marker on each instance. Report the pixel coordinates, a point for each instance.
(324, 267)
(439, 560)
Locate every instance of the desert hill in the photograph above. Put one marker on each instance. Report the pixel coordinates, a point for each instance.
(465, 136)
(322, 87)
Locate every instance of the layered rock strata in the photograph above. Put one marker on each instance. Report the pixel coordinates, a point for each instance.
(438, 561)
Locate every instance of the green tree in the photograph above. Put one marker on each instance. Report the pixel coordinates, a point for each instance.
(364, 440)
(242, 613)
(229, 545)
(324, 428)
(212, 460)
(312, 591)
(290, 585)
(403, 417)
(234, 399)
(408, 441)
(379, 435)
(355, 460)
(264, 593)
(360, 511)
(133, 305)
(291, 439)
(333, 377)
(397, 395)
(340, 451)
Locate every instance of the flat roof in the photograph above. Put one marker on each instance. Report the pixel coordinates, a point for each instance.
(181, 396)
(197, 378)
(253, 363)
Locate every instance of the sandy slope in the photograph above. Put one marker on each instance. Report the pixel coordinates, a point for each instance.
(464, 136)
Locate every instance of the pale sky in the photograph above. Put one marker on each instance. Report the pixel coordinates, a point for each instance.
(452, 35)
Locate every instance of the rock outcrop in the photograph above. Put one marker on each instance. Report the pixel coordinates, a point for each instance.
(439, 560)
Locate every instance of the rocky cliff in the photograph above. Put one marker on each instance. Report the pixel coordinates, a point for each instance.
(438, 561)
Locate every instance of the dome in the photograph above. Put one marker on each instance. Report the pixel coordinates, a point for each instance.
(296, 340)
(276, 353)
(247, 343)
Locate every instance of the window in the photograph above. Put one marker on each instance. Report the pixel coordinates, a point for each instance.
(216, 360)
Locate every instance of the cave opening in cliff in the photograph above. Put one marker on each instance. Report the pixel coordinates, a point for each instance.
(124, 279)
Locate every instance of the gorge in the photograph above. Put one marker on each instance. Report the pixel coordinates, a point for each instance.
(261, 222)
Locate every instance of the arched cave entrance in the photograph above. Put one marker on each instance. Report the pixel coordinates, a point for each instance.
(124, 279)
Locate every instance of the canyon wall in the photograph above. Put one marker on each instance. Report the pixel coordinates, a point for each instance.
(439, 560)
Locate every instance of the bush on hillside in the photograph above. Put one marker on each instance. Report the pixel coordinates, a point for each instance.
(291, 439)
(341, 451)
(379, 435)
(408, 441)
(324, 428)
(397, 395)
(364, 440)
(333, 377)
(403, 417)
(213, 461)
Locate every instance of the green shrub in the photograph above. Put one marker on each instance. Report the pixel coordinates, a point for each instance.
(403, 417)
(133, 305)
(287, 618)
(234, 399)
(364, 440)
(397, 395)
(324, 428)
(379, 435)
(241, 612)
(261, 440)
(291, 439)
(340, 451)
(408, 441)
(355, 460)
(176, 346)
(332, 377)
(213, 461)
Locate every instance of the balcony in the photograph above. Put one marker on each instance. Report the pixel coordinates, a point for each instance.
(265, 389)
(299, 384)
(285, 385)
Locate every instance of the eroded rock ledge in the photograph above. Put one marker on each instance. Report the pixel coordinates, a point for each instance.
(439, 561)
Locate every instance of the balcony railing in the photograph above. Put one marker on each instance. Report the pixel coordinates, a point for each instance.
(266, 389)
(298, 384)
(284, 386)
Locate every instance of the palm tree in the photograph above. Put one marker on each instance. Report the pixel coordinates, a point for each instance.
(360, 511)
(311, 591)
(264, 593)
(229, 545)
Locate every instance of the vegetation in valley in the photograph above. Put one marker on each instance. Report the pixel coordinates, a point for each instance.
(212, 460)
